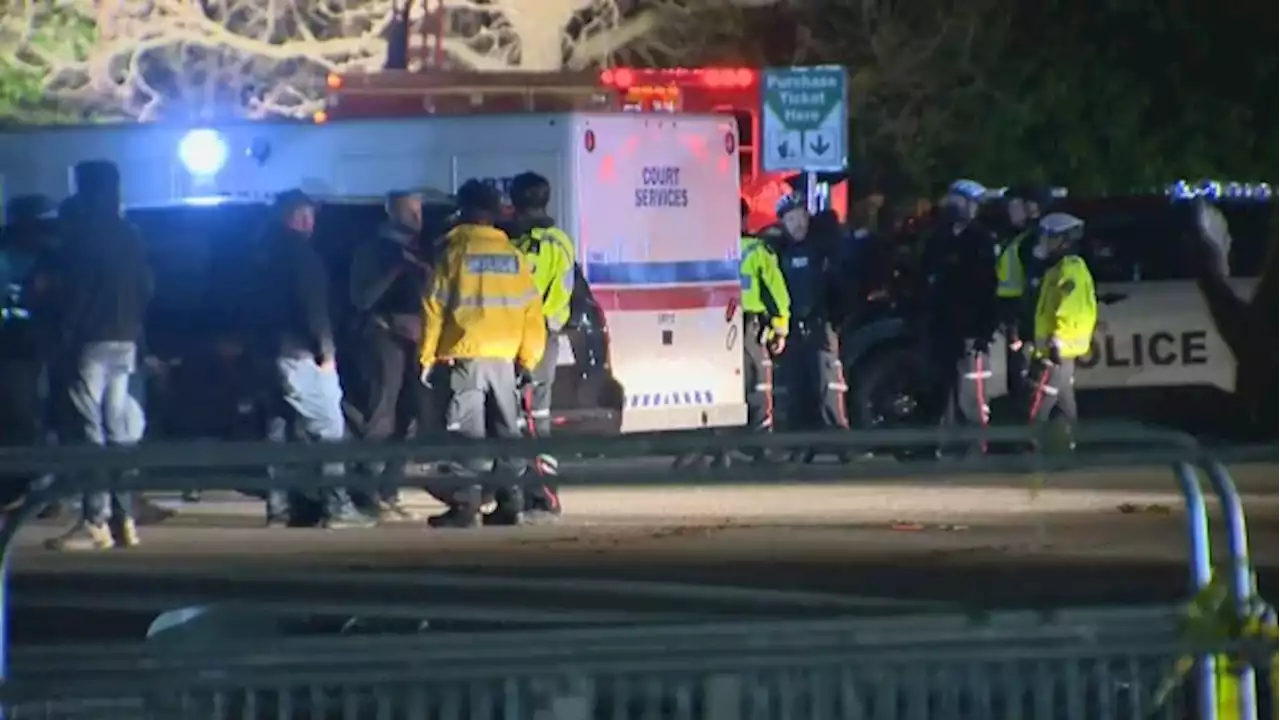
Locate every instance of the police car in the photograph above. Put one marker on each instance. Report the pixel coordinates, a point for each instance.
(1156, 355)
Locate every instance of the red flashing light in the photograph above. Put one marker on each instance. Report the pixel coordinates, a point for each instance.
(620, 78)
(727, 78)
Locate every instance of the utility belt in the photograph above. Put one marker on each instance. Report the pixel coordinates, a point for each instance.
(812, 323)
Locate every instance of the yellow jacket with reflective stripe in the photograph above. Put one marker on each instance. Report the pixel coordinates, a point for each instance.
(482, 302)
(1011, 276)
(550, 251)
(1067, 308)
(764, 287)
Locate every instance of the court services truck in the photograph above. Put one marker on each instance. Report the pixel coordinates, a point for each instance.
(651, 201)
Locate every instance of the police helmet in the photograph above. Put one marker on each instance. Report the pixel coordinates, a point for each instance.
(1062, 226)
(530, 191)
(970, 190)
(790, 202)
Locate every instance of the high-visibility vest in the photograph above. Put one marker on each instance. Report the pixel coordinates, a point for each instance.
(1011, 276)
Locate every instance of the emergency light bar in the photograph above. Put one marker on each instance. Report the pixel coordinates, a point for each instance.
(718, 78)
(1215, 190)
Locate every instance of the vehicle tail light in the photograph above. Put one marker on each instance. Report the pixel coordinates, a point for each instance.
(619, 78)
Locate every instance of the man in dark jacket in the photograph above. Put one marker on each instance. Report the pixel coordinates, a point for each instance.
(960, 307)
(105, 285)
(296, 330)
(388, 274)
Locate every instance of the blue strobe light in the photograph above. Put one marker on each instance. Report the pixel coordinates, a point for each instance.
(203, 152)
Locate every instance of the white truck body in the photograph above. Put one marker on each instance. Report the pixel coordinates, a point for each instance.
(651, 201)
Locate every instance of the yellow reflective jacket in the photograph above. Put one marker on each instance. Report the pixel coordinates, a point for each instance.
(550, 251)
(764, 287)
(1067, 308)
(481, 302)
(1011, 275)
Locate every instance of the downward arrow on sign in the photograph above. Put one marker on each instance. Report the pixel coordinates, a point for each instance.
(820, 146)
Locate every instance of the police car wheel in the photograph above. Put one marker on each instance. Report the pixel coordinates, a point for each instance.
(885, 392)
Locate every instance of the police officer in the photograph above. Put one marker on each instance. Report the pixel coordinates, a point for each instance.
(550, 253)
(482, 315)
(960, 306)
(766, 307)
(812, 360)
(1065, 315)
(1018, 272)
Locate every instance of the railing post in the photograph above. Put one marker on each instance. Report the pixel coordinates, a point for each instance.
(1239, 572)
(8, 533)
(1201, 566)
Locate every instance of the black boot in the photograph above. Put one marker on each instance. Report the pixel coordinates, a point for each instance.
(510, 510)
(463, 512)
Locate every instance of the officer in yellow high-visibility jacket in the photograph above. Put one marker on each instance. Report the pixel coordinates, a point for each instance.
(1066, 314)
(1018, 272)
(551, 253)
(482, 315)
(766, 309)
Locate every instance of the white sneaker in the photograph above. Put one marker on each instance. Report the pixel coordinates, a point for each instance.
(83, 536)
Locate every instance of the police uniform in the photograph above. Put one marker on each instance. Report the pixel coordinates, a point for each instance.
(766, 306)
(1065, 317)
(552, 257)
(550, 254)
(811, 360)
(1018, 274)
(482, 315)
(961, 311)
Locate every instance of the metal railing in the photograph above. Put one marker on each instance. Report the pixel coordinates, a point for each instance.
(162, 465)
(1078, 665)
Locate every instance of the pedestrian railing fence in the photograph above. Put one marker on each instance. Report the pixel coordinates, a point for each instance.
(1075, 666)
(1111, 667)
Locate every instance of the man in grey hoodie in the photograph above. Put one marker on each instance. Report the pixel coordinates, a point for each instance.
(104, 289)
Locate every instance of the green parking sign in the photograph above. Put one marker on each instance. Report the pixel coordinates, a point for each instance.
(804, 117)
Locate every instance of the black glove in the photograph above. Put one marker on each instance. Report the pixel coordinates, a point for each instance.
(1055, 356)
(524, 377)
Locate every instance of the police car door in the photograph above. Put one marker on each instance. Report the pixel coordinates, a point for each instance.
(1153, 327)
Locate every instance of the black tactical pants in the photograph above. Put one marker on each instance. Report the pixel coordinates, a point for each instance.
(962, 376)
(814, 376)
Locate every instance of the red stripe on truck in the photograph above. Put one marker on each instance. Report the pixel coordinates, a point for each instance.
(641, 299)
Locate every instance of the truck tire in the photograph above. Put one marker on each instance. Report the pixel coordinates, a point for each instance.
(886, 389)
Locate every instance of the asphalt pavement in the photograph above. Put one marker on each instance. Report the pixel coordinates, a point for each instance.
(1093, 538)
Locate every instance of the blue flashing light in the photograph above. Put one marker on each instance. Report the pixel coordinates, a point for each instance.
(1217, 190)
(204, 200)
(203, 152)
